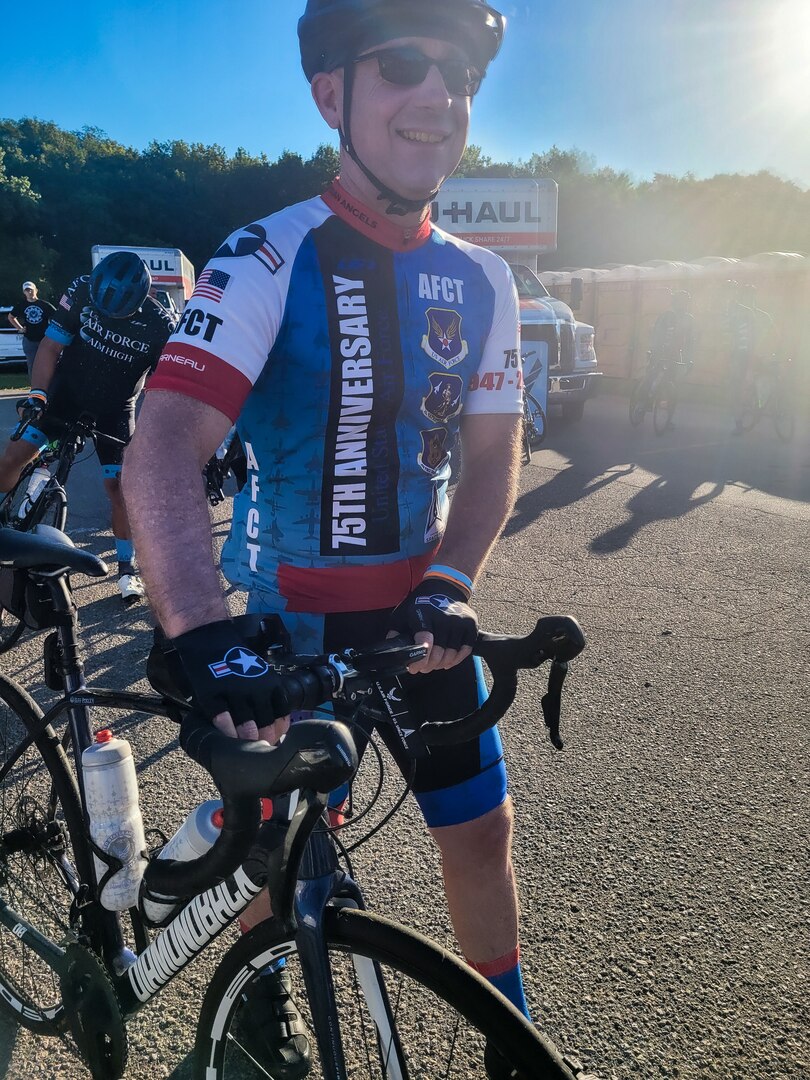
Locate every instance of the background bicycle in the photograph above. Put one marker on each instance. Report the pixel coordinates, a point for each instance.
(229, 461)
(769, 393)
(657, 392)
(535, 395)
(46, 478)
(62, 955)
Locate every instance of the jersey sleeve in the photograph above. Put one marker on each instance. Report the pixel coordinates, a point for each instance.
(64, 324)
(230, 322)
(497, 386)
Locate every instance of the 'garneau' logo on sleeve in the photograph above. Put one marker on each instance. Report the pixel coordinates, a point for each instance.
(180, 358)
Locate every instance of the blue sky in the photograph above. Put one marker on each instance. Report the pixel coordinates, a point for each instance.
(649, 86)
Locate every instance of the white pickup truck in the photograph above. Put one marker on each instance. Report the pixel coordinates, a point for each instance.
(11, 350)
(572, 368)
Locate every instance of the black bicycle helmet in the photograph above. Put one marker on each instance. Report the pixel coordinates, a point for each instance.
(119, 284)
(331, 32)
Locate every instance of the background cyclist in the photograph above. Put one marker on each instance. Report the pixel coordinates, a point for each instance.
(336, 326)
(105, 337)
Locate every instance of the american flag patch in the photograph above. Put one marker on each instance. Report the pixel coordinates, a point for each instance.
(65, 303)
(269, 257)
(211, 284)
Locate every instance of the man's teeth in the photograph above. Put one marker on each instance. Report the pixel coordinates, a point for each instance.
(422, 136)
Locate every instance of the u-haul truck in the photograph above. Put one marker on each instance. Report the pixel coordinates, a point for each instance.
(518, 219)
(172, 273)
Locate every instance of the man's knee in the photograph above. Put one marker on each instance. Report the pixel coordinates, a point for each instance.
(484, 841)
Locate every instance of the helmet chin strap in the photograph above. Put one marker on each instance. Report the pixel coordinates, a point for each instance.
(398, 205)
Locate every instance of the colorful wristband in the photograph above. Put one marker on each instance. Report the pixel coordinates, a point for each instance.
(449, 573)
(42, 395)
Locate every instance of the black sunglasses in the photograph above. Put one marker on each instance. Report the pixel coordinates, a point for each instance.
(406, 66)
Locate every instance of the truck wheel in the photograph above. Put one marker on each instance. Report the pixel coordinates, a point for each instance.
(573, 411)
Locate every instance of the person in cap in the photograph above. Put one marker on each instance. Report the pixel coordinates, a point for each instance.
(31, 317)
(329, 332)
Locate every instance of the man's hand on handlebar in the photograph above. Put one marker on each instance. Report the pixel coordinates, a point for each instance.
(32, 407)
(437, 614)
(233, 686)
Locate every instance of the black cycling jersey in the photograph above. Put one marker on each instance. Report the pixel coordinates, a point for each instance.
(105, 361)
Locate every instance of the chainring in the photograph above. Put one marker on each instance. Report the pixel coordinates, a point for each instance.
(93, 1013)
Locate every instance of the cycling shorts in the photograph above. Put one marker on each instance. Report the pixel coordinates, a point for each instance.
(454, 784)
(119, 424)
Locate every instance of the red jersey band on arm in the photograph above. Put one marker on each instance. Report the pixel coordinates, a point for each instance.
(189, 370)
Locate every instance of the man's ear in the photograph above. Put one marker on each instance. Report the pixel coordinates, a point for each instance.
(327, 93)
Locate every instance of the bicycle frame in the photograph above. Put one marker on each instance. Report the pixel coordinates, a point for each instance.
(305, 877)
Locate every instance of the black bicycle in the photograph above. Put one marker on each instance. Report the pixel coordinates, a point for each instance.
(656, 392)
(380, 1000)
(534, 425)
(769, 393)
(48, 506)
(232, 463)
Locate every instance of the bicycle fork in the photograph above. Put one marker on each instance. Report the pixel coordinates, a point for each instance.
(320, 881)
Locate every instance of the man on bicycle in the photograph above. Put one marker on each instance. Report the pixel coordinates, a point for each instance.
(330, 331)
(104, 339)
(673, 334)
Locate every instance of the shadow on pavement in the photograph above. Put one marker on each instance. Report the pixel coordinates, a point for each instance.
(671, 476)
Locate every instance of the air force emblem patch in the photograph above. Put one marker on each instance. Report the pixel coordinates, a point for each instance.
(443, 341)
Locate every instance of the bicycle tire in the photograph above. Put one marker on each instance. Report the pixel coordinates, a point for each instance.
(663, 406)
(527, 442)
(748, 412)
(40, 806)
(638, 403)
(11, 630)
(538, 426)
(49, 509)
(441, 989)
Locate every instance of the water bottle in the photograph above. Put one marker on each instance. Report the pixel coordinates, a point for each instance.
(36, 482)
(196, 835)
(111, 793)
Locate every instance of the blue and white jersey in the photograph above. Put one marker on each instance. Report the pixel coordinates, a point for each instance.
(347, 350)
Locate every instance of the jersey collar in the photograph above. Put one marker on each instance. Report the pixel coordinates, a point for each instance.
(373, 224)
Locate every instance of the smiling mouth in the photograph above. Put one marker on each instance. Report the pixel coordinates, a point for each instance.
(422, 136)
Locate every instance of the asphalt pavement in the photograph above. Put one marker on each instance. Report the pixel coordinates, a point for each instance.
(662, 855)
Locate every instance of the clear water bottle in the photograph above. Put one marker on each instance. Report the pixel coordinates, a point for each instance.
(36, 482)
(196, 835)
(116, 826)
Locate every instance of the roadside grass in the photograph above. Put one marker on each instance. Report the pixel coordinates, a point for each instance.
(14, 380)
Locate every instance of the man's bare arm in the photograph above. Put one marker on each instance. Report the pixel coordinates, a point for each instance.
(45, 362)
(168, 512)
(479, 510)
(16, 324)
(486, 491)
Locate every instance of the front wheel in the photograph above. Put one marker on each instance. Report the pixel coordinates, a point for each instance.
(664, 406)
(638, 402)
(784, 419)
(43, 859)
(407, 1009)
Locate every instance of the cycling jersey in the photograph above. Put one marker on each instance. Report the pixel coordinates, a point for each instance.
(347, 350)
(104, 360)
(673, 335)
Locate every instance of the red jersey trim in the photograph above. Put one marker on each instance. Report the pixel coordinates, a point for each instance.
(328, 590)
(187, 369)
(372, 224)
